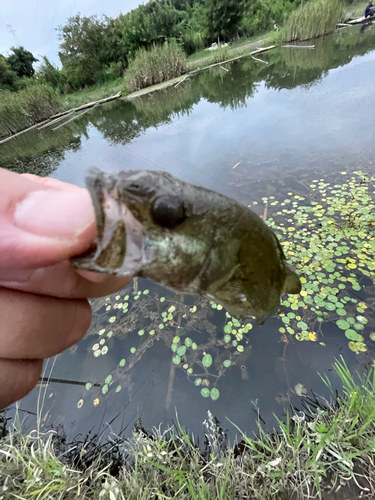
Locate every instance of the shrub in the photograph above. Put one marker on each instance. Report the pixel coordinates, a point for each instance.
(19, 110)
(261, 15)
(155, 66)
(315, 18)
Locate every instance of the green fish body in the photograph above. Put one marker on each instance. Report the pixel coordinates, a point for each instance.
(187, 238)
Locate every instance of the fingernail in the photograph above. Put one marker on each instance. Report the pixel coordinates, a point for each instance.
(58, 214)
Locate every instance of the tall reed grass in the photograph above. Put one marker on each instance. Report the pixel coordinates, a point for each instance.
(157, 65)
(312, 19)
(19, 110)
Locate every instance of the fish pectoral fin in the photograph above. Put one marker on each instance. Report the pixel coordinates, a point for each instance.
(292, 283)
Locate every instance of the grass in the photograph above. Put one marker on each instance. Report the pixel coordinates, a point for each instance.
(154, 66)
(19, 110)
(238, 48)
(312, 19)
(312, 454)
(355, 10)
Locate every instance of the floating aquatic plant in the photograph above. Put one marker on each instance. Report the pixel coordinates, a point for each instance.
(330, 240)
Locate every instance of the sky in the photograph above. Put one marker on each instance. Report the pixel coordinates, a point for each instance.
(34, 21)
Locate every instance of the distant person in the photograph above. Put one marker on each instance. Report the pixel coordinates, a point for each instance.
(369, 10)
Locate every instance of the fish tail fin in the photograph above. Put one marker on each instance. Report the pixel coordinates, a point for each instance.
(292, 283)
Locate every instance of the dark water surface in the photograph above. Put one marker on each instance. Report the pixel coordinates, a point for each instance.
(259, 133)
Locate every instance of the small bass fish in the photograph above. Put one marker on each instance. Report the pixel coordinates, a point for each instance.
(187, 238)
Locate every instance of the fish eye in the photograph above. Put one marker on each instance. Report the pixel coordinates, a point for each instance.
(168, 211)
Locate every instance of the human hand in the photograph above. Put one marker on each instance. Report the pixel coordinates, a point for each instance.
(43, 300)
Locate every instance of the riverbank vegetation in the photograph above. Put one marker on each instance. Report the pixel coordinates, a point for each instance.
(22, 109)
(325, 450)
(313, 19)
(155, 66)
(152, 43)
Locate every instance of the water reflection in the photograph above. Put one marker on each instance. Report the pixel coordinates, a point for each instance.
(123, 122)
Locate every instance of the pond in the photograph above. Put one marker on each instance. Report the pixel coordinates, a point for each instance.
(292, 138)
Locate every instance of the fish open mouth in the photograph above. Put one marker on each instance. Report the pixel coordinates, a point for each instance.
(121, 248)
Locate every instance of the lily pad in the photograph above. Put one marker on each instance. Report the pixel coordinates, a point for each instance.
(342, 324)
(214, 394)
(176, 359)
(181, 350)
(207, 360)
(205, 392)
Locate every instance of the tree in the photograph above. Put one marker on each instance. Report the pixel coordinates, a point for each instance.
(8, 78)
(224, 17)
(49, 73)
(195, 34)
(150, 24)
(83, 52)
(21, 62)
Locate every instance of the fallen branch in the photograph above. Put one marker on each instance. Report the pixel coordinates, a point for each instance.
(264, 49)
(233, 59)
(299, 46)
(236, 165)
(342, 25)
(74, 117)
(182, 80)
(58, 116)
(225, 69)
(95, 103)
(22, 131)
(65, 115)
(361, 20)
(260, 60)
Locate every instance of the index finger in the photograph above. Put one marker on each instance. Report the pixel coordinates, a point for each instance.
(42, 223)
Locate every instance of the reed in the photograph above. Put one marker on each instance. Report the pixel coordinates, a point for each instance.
(157, 65)
(19, 110)
(312, 19)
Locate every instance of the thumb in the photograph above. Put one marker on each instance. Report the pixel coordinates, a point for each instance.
(42, 224)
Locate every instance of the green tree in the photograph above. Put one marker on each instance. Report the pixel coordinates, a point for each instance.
(83, 51)
(144, 27)
(21, 62)
(195, 34)
(223, 17)
(49, 73)
(8, 78)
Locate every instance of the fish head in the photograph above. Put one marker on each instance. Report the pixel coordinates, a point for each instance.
(140, 217)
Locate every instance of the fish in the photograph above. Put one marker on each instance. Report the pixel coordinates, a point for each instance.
(187, 238)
